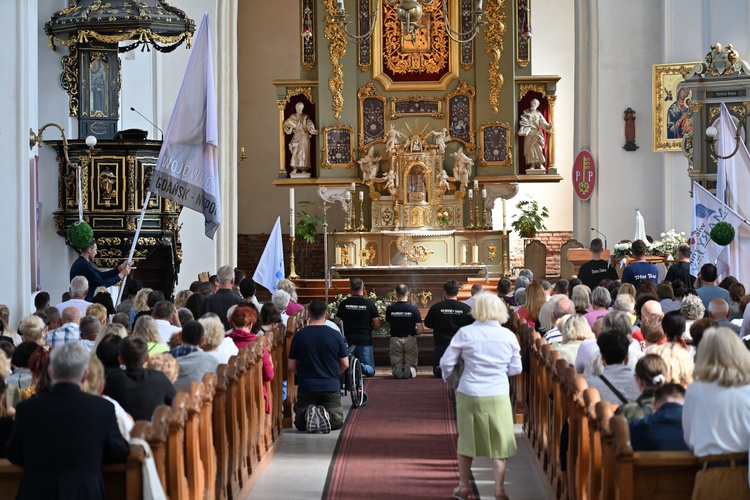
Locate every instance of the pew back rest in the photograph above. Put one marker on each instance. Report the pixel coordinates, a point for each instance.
(658, 475)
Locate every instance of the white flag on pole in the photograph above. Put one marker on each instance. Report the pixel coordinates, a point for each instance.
(270, 269)
(187, 169)
(707, 212)
(733, 177)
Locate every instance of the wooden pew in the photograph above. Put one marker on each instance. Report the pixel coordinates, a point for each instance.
(255, 405)
(219, 419)
(291, 383)
(232, 429)
(241, 418)
(275, 391)
(121, 481)
(177, 483)
(206, 435)
(594, 484)
(194, 469)
(156, 433)
(558, 418)
(604, 414)
(657, 475)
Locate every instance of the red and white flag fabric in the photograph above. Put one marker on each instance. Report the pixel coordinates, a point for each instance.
(187, 169)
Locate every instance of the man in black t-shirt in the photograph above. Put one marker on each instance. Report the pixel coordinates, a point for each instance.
(594, 271)
(680, 270)
(318, 356)
(445, 318)
(405, 321)
(360, 317)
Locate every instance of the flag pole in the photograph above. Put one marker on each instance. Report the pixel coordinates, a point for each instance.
(135, 242)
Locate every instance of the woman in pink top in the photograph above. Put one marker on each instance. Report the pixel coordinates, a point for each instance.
(243, 318)
(289, 288)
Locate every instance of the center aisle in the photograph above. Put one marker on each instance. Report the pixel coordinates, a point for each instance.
(401, 444)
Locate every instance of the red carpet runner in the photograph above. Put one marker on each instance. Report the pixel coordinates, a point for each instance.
(401, 444)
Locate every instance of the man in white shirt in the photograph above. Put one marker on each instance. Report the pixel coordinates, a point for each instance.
(167, 319)
(79, 287)
(475, 289)
(561, 308)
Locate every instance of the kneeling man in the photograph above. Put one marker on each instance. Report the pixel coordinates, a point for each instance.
(318, 356)
(405, 321)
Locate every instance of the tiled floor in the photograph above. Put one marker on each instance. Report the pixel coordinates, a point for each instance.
(299, 469)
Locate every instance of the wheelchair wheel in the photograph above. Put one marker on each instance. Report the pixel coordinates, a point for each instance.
(356, 383)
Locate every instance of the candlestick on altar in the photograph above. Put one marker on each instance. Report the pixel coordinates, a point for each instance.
(347, 215)
(464, 256)
(338, 255)
(471, 210)
(476, 208)
(291, 213)
(353, 213)
(292, 272)
(361, 211)
(475, 255)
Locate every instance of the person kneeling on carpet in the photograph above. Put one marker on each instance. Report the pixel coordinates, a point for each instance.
(405, 321)
(318, 356)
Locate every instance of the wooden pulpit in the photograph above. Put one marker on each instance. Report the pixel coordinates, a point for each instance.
(579, 256)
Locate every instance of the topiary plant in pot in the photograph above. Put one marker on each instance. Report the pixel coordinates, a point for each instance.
(530, 219)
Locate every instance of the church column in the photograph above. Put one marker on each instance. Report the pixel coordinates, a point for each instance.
(18, 29)
(585, 213)
(226, 90)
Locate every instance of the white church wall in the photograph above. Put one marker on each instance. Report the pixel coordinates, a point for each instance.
(18, 106)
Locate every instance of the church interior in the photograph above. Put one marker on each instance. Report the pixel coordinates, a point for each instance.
(396, 140)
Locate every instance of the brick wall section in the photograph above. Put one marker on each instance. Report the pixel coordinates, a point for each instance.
(250, 248)
(552, 239)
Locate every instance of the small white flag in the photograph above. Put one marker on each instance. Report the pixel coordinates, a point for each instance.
(270, 269)
(187, 169)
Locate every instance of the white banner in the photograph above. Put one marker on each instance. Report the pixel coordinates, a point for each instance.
(270, 269)
(707, 212)
(187, 169)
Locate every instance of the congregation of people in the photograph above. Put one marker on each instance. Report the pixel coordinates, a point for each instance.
(672, 356)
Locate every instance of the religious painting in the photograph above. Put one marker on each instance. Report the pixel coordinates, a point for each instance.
(419, 55)
(523, 33)
(416, 106)
(460, 117)
(371, 117)
(494, 144)
(671, 103)
(338, 147)
(108, 179)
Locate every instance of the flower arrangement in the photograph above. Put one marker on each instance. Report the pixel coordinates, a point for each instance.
(381, 303)
(443, 217)
(665, 247)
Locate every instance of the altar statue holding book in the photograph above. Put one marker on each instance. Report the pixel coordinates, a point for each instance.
(301, 128)
(533, 126)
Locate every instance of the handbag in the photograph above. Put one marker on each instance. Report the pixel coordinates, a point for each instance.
(455, 377)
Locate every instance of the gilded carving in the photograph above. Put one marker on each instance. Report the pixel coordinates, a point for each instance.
(696, 107)
(372, 252)
(371, 116)
(491, 252)
(494, 38)
(428, 53)
(337, 48)
(338, 147)
(425, 296)
(460, 114)
(419, 253)
(524, 88)
(109, 241)
(140, 34)
(721, 59)
(69, 79)
(305, 91)
(495, 144)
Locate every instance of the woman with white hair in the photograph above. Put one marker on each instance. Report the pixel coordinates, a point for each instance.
(714, 418)
(490, 354)
(293, 307)
(280, 299)
(581, 297)
(575, 329)
(692, 309)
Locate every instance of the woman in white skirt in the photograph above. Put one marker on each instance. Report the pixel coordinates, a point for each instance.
(490, 355)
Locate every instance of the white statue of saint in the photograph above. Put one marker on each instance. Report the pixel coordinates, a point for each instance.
(301, 128)
(443, 180)
(462, 166)
(390, 145)
(441, 138)
(369, 165)
(391, 179)
(533, 126)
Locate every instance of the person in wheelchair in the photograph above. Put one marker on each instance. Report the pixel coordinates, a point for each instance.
(405, 321)
(360, 317)
(318, 356)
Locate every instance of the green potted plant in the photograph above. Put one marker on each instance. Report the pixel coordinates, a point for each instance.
(530, 219)
(306, 230)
